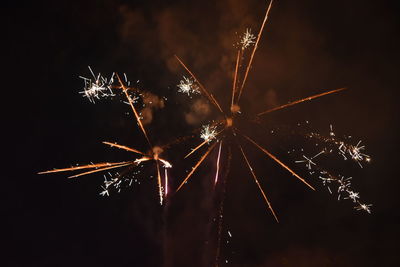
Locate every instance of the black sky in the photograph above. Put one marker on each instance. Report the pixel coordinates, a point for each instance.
(307, 46)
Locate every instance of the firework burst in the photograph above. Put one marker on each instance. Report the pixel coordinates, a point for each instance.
(228, 127)
(220, 136)
(118, 179)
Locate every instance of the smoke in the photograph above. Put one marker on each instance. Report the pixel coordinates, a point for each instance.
(151, 103)
(198, 112)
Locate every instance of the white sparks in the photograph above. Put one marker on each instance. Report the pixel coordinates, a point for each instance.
(247, 39)
(309, 161)
(353, 196)
(229, 233)
(208, 133)
(365, 207)
(104, 192)
(188, 86)
(99, 88)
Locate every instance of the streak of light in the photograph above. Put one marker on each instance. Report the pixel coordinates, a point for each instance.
(101, 169)
(235, 78)
(196, 166)
(166, 182)
(160, 192)
(254, 50)
(301, 100)
(202, 144)
(89, 166)
(278, 161)
(123, 147)
(258, 184)
(218, 158)
(124, 89)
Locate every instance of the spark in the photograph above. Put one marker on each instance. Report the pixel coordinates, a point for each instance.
(353, 195)
(98, 88)
(208, 133)
(104, 192)
(365, 207)
(308, 160)
(203, 90)
(247, 39)
(188, 86)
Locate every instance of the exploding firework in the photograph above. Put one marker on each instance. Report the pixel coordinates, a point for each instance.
(221, 135)
(117, 180)
(228, 127)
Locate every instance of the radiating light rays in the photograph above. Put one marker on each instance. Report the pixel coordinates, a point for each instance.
(278, 161)
(300, 101)
(222, 135)
(89, 166)
(101, 169)
(153, 155)
(258, 183)
(254, 51)
(196, 166)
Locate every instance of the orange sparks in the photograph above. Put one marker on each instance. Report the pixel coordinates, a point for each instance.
(278, 161)
(102, 169)
(123, 147)
(196, 148)
(254, 50)
(196, 166)
(139, 121)
(301, 100)
(203, 89)
(89, 166)
(258, 184)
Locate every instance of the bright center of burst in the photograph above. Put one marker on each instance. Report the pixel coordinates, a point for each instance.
(229, 122)
(156, 152)
(234, 109)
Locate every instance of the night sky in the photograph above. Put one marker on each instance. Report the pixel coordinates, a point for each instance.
(307, 47)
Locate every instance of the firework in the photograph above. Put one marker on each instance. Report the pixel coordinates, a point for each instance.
(97, 87)
(117, 180)
(330, 146)
(188, 86)
(213, 136)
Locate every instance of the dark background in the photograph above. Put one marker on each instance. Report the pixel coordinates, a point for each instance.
(307, 47)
